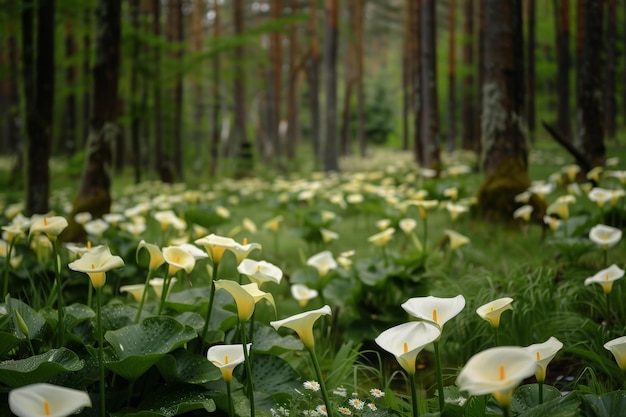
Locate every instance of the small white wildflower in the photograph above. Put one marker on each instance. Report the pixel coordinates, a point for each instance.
(312, 385)
(376, 393)
(345, 411)
(321, 409)
(356, 403)
(372, 406)
(341, 391)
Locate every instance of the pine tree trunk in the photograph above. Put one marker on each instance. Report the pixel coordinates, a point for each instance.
(506, 155)
(564, 63)
(591, 130)
(430, 113)
(331, 159)
(134, 92)
(531, 76)
(406, 76)
(69, 131)
(160, 164)
(360, 86)
(611, 70)
(451, 77)
(314, 83)
(417, 83)
(292, 92)
(244, 161)
(215, 95)
(468, 107)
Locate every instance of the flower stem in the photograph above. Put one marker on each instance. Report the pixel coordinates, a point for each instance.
(166, 284)
(495, 332)
(540, 383)
(246, 356)
(100, 349)
(60, 307)
(442, 399)
(210, 308)
(230, 399)
(320, 378)
(7, 263)
(143, 295)
(414, 404)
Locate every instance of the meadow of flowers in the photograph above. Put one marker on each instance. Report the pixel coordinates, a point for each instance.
(373, 292)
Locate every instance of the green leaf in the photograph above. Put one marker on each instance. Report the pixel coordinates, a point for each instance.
(135, 348)
(8, 341)
(117, 316)
(607, 405)
(271, 375)
(267, 340)
(33, 320)
(567, 406)
(171, 401)
(39, 368)
(527, 397)
(182, 366)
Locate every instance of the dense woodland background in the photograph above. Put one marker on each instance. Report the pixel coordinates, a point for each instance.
(173, 89)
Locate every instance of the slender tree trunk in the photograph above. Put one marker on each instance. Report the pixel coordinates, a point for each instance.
(610, 112)
(87, 74)
(175, 35)
(591, 129)
(134, 89)
(245, 161)
(349, 72)
(276, 58)
(417, 83)
(292, 92)
(451, 77)
(69, 141)
(506, 154)
(360, 86)
(160, 164)
(215, 94)
(197, 80)
(430, 113)
(331, 159)
(580, 32)
(314, 82)
(94, 192)
(469, 89)
(14, 136)
(564, 62)
(406, 75)
(531, 76)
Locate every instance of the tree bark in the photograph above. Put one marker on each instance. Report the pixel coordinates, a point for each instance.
(430, 113)
(94, 193)
(244, 159)
(611, 70)
(360, 86)
(417, 83)
(506, 154)
(135, 94)
(406, 75)
(331, 159)
(468, 107)
(69, 132)
(451, 77)
(591, 112)
(161, 166)
(564, 62)
(349, 72)
(215, 94)
(175, 35)
(292, 92)
(314, 82)
(531, 75)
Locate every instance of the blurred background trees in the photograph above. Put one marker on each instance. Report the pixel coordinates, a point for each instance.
(205, 89)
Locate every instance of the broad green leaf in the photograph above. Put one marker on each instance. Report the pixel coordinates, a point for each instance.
(32, 319)
(39, 368)
(607, 405)
(527, 397)
(135, 348)
(267, 340)
(8, 341)
(117, 316)
(171, 401)
(182, 366)
(567, 406)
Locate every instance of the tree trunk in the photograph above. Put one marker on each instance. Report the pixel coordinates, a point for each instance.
(531, 76)
(480, 64)
(276, 59)
(331, 159)
(87, 75)
(417, 83)
(94, 193)
(506, 153)
(134, 92)
(430, 113)
(292, 92)
(406, 76)
(564, 62)
(468, 107)
(175, 36)
(611, 69)
(591, 130)
(160, 164)
(349, 72)
(215, 94)
(451, 77)
(198, 91)
(360, 86)
(244, 158)
(314, 83)
(39, 93)
(69, 134)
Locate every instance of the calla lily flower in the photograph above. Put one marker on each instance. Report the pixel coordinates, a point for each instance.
(303, 324)
(242, 251)
(599, 195)
(606, 277)
(497, 371)
(216, 246)
(178, 258)
(558, 208)
(96, 227)
(47, 400)
(156, 257)
(273, 224)
(455, 210)
(323, 262)
(246, 297)
(302, 294)
(96, 263)
(434, 309)
(407, 340)
(544, 353)
(135, 290)
(51, 226)
(605, 236)
(226, 358)
(407, 225)
(618, 348)
(523, 212)
(381, 239)
(260, 271)
(456, 239)
(492, 311)
(328, 235)
(169, 218)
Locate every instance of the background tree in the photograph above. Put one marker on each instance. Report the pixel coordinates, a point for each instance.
(610, 112)
(561, 11)
(468, 107)
(330, 148)
(531, 75)
(313, 77)
(451, 134)
(505, 162)
(430, 112)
